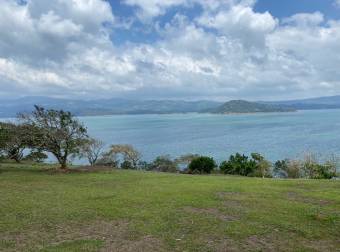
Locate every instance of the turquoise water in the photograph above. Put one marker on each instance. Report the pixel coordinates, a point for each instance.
(276, 135)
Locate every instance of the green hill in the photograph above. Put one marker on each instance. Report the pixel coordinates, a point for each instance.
(240, 106)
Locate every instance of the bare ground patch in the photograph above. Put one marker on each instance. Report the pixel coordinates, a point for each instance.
(115, 235)
(293, 196)
(277, 242)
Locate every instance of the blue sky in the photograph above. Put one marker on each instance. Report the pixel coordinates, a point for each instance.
(170, 49)
(278, 8)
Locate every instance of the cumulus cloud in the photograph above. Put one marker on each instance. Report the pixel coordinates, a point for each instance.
(337, 3)
(226, 50)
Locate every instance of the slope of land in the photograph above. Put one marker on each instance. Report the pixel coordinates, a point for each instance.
(9, 108)
(145, 211)
(329, 102)
(115, 106)
(240, 106)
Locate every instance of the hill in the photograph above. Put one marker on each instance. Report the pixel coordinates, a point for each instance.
(240, 106)
(116, 106)
(9, 108)
(121, 210)
(328, 102)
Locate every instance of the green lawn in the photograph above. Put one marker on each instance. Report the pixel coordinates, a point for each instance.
(144, 211)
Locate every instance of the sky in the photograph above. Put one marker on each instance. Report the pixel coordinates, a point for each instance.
(170, 49)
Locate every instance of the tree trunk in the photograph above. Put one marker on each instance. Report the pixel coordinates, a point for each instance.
(63, 165)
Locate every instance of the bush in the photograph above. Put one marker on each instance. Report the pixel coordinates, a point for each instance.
(238, 165)
(202, 165)
(127, 165)
(163, 164)
(263, 166)
(108, 159)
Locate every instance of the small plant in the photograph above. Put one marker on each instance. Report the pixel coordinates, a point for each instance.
(163, 164)
(202, 165)
(238, 165)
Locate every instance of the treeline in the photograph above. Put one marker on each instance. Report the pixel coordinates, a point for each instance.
(58, 133)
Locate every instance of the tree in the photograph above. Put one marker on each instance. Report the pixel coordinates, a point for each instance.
(58, 132)
(128, 154)
(37, 156)
(92, 149)
(238, 165)
(202, 165)
(14, 139)
(280, 168)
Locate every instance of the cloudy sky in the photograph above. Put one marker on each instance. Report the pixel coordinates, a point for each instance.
(177, 49)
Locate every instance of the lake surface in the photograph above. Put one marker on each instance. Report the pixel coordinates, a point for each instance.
(276, 135)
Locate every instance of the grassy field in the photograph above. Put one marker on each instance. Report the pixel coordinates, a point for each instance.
(143, 211)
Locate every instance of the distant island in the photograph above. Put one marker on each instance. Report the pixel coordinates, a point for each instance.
(243, 107)
(118, 106)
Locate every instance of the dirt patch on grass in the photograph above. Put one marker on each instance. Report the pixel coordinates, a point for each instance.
(293, 196)
(276, 241)
(210, 212)
(224, 195)
(116, 236)
(81, 169)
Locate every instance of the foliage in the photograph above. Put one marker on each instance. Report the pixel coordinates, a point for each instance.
(108, 159)
(127, 165)
(238, 165)
(14, 139)
(58, 132)
(184, 161)
(163, 164)
(37, 156)
(202, 164)
(129, 155)
(263, 166)
(91, 149)
(313, 169)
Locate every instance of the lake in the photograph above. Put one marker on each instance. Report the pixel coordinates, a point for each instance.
(276, 135)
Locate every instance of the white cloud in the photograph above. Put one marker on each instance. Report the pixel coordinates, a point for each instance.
(337, 3)
(305, 19)
(62, 47)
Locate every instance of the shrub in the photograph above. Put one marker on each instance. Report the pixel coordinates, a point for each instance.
(108, 159)
(202, 165)
(163, 164)
(263, 166)
(127, 165)
(238, 165)
(313, 169)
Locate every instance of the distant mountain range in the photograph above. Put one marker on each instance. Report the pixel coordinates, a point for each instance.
(9, 108)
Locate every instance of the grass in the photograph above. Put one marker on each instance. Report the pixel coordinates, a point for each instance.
(143, 211)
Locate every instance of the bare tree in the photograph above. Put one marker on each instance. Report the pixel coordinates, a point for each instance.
(128, 153)
(92, 150)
